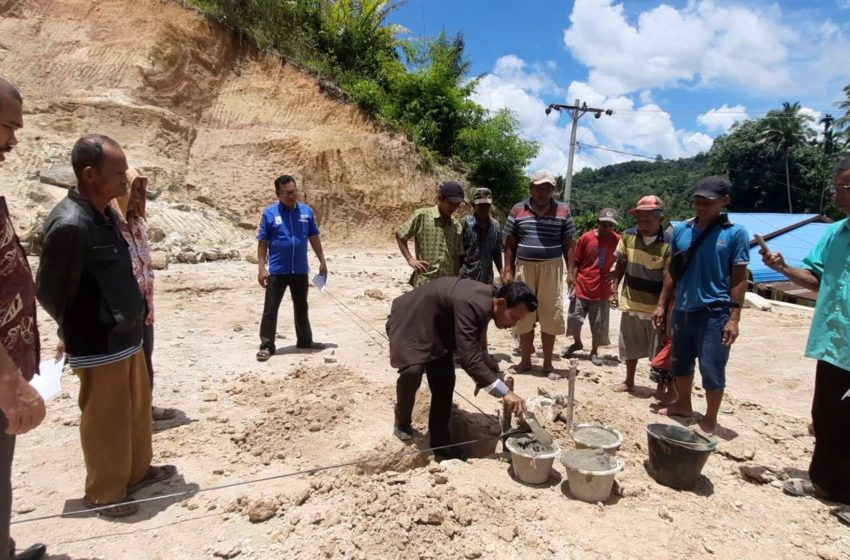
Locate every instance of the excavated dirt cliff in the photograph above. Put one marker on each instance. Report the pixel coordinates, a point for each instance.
(210, 118)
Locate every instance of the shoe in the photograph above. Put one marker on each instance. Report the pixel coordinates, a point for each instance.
(570, 350)
(596, 360)
(35, 552)
(449, 453)
(312, 346)
(403, 435)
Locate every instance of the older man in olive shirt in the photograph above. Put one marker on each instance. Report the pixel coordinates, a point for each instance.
(430, 324)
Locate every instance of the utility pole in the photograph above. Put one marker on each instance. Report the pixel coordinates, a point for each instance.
(576, 112)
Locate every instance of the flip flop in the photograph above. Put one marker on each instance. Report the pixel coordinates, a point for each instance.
(263, 355)
(121, 508)
(161, 413)
(843, 515)
(596, 360)
(798, 488)
(154, 475)
(570, 350)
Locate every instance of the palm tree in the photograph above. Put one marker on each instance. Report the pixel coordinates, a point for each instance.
(842, 124)
(783, 130)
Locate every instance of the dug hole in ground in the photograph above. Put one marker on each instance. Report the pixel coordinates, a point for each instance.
(246, 420)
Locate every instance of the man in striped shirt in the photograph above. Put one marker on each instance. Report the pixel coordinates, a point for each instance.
(539, 236)
(642, 256)
(86, 283)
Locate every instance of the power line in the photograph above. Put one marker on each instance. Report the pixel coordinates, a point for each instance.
(619, 152)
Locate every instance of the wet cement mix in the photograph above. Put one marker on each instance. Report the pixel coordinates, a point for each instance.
(595, 436)
(592, 460)
(531, 446)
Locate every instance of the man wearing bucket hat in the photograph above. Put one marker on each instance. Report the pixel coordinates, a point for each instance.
(438, 237)
(642, 256)
(708, 271)
(539, 236)
(594, 257)
(482, 245)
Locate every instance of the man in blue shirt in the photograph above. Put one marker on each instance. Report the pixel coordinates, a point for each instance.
(709, 296)
(826, 270)
(284, 231)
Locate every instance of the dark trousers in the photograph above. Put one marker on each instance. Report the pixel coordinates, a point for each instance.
(830, 466)
(276, 287)
(7, 451)
(441, 381)
(147, 347)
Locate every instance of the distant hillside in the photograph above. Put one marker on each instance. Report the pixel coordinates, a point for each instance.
(620, 186)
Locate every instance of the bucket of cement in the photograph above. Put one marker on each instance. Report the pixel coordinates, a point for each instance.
(597, 436)
(530, 459)
(677, 455)
(590, 473)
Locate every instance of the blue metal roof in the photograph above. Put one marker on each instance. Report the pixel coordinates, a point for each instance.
(794, 244)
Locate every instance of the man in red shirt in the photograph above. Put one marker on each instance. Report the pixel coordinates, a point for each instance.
(594, 257)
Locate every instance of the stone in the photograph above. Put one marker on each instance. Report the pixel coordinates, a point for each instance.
(159, 260)
(227, 549)
(59, 175)
(155, 234)
(757, 473)
(375, 294)
(251, 258)
(262, 510)
(24, 508)
(332, 519)
(210, 397)
(828, 553)
(507, 534)
(665, 515)
(315, 427)
(330, 360)
(440, 479)
(302, 497)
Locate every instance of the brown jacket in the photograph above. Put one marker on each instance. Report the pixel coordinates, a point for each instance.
(447, 315)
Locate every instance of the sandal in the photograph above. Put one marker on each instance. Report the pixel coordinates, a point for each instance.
(798, 488)
(154, 475)
(570, 350)
(121, 508)
(843, 515)
(263, 355)
(161, 413)
(596, 360)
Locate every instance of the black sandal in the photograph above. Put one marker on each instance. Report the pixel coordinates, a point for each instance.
(263, 355)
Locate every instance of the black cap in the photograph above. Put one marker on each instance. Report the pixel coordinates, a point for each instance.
(713, 187)
(453, 191)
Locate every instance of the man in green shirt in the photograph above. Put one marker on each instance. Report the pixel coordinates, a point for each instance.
(827, 271)
(437, 236)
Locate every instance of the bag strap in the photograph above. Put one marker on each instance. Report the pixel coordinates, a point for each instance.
(721, 220)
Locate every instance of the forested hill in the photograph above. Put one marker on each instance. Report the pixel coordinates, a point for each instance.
(620, 186)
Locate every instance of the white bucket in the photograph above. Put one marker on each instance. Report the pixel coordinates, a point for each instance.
(533, 469)
(610, 448)
(592, 486)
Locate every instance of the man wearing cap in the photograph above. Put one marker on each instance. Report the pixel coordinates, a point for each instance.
(438, 237)
(594, 257)
(643, 254)
(710, 291)
(482, 246)
(539, 236)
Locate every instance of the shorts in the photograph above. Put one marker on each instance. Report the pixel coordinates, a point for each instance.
(698, 335)
(661, 371)
(546, 278)
(638, 337)
(598, 312)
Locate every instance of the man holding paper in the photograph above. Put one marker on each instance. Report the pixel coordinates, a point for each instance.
(21, 405)
(285, 229)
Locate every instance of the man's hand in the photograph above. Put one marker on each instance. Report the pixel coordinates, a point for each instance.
(59, 352)
(22, 405)
(659, 317)
(571, 280)
(516, 404)
(417, 265)
(613, 300)
(263, 277)
(730, 332)
(773, 261)
(323, 269)
(507, 277)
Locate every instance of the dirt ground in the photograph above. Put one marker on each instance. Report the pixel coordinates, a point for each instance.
(246, 421)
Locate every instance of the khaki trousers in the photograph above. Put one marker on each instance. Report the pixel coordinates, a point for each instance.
(115, 427)
(546, 278)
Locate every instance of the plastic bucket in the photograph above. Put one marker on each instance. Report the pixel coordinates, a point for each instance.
(528, 467)
(677, 455)
(592, 436)
(591, 485)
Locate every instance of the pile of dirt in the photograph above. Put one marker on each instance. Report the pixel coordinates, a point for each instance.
(209, 118)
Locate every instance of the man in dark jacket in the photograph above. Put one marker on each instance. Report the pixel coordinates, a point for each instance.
(86, 283)
(430, 324)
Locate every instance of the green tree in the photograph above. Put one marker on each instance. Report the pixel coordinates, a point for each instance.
(497, 156)
(784, 130)
(842, 123)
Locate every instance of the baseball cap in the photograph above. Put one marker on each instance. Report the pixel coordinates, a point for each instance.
(712, 187)
(608, 215)
(453, 191)
(543, 176)
(482, 196)
(649, 202)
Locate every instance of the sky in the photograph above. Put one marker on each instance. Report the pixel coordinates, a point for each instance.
(675, 74)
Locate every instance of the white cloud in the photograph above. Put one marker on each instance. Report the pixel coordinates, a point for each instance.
(513, 69)
(720, 120)
(701, 44)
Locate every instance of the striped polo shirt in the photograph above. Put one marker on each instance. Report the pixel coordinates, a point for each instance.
(644, 276)
(540, 238)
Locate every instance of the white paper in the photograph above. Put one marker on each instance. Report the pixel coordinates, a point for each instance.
(47, 382)
(320, 281)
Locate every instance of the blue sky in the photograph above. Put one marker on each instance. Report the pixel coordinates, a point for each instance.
(676, 74)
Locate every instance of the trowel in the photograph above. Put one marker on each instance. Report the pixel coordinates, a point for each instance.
(540, 434)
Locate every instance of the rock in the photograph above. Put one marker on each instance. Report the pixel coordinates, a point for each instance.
(508, 533)
(302, 497)
(828, 553)
(262, 510)
(251, 258)
(155, 234)
(332, 519)
(227, 549)
(211, 255)
(24, 508)
(429, 517)
(472, 554)
(665, 515)
(59, 175)
(315, 427)
(159, 260)
(440, 479)
(757, 473)
(330, 360)
(210, 397)
(375, 294)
